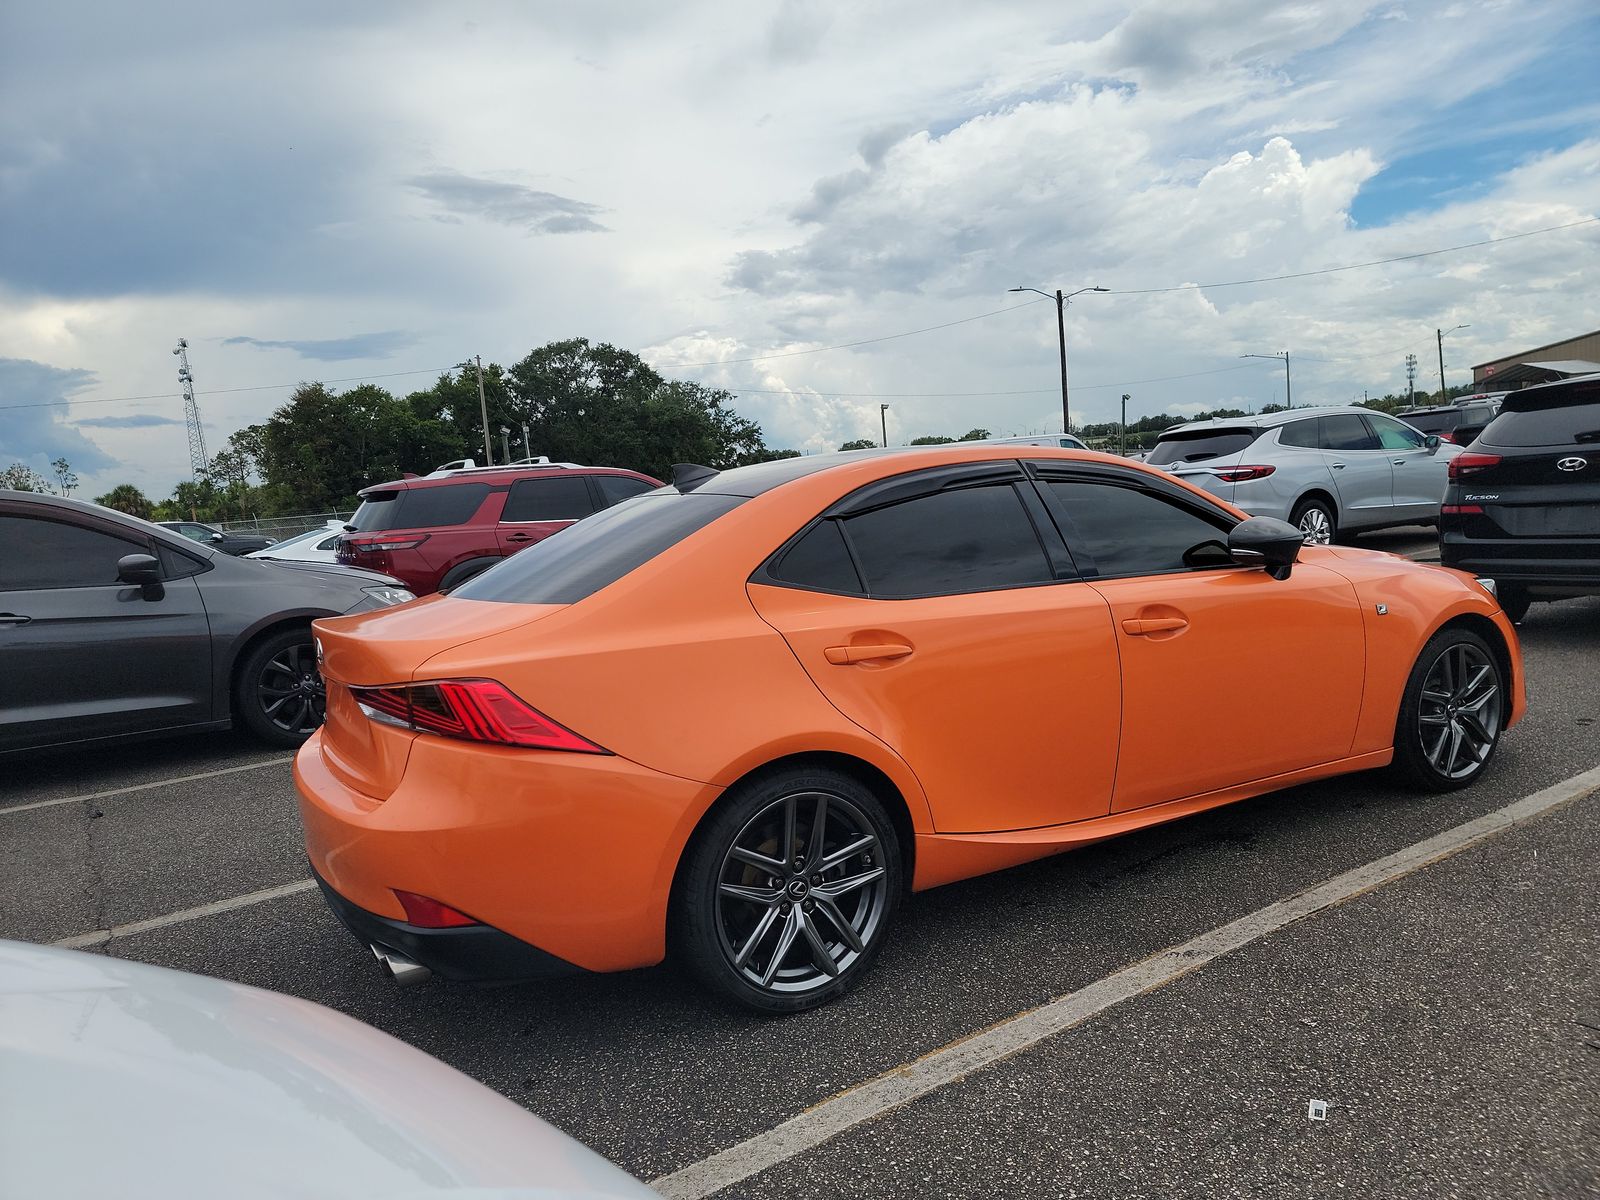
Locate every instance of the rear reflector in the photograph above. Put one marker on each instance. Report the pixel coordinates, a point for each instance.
(1463, 465)
(429, 913)
(1240, 474)
(1461, 509)
(473, 710)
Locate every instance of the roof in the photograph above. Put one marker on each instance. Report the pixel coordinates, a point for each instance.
(1268, 420)
(1577, 337)
(1544, 372)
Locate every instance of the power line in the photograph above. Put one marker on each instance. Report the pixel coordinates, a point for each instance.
(1377, 262)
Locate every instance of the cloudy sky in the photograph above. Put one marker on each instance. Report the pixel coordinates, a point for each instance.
(316, 191)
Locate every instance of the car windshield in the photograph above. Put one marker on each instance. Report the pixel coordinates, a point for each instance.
(419, 508)
(1573, 424)
(1437, 422)
(1198, 445)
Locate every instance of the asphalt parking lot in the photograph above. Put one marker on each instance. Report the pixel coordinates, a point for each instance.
(1448, 1017)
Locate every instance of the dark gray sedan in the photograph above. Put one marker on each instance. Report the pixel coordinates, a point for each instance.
(114, 628)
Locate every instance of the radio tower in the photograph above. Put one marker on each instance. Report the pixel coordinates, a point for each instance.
(198, 461)
(1411, 379)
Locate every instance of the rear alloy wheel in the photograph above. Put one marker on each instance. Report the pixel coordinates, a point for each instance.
(1315, 521)
(279, 695)
(788, 891)
(1452, 714)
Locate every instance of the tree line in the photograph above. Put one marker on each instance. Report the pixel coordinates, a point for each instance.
(570, 401)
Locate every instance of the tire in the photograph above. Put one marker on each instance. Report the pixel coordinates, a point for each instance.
(1451, 714)
(278, 693)
(1514, 601)
(797, 945)
(1316, 521)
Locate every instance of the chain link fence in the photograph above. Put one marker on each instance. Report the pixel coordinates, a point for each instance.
(284, 527)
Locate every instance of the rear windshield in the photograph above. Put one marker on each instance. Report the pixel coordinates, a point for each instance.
(599, 550)
(1439, 422)
(419, 508)
(1197, 445)
(1563, 425)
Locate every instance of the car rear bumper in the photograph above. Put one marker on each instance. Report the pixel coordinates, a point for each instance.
(469, 953)
(1548, 566)
(567, 857)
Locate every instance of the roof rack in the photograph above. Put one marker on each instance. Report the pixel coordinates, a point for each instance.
(466, 466)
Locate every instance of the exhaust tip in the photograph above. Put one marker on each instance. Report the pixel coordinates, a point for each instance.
(404, 971)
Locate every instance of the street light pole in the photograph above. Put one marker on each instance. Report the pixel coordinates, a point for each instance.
(1061, 335)
(883, 421)
(1288, 393)
(1122, 428)
(505, 446)
(1439, 334)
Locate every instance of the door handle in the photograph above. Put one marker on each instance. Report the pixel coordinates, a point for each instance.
(1139, 626)
(519, 537)
(1337, 466)
(1400, 462)
(843, 656)
(13, 619)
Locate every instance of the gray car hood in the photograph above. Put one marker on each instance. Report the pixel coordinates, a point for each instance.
(119, 1079)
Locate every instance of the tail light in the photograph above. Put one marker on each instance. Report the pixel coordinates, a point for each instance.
(429, 913)
(473, 710)
(1463, 465)
(1240, 474)
(377, 545)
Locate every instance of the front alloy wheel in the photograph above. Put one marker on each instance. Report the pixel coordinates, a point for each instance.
(789, 891)
(1453, 713)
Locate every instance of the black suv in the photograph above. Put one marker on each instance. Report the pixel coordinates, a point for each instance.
(228, 543)
(1523, 504)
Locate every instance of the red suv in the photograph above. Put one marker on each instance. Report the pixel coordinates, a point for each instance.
(439, 530)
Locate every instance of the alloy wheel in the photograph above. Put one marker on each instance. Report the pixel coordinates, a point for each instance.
(1315, 527)
(801, 892)
(290, 690)
(1461, 711)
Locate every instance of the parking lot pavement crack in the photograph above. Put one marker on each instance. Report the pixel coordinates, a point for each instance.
(94, 857)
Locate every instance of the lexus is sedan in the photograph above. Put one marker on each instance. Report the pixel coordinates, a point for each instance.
(113, 629)
(741, 717)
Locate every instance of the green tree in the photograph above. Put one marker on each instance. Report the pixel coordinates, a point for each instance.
(20, 477)
(932, 440)
(860, 444)
(65, 475)
(975, 435)
(128, 499)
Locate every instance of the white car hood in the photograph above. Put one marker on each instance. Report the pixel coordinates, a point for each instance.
(119, 1079)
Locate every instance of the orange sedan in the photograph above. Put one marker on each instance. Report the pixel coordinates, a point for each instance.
(744, 715)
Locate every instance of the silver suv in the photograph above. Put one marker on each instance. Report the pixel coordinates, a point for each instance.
(1327, 470)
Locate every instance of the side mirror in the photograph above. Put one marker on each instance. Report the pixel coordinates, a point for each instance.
(1432, 442)
(1266, 542)
(216, 537)
(144, 571)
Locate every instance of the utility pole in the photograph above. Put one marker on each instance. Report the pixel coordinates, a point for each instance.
(1411, 380)
(1288, 395)
(527, 446)
(1439, 333)
(1061, 337)
(483, 407)
(505, 447)
(883, 421)
(1122, 429)
(199, 462)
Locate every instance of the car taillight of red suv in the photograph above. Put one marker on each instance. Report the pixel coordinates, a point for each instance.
(440, 530)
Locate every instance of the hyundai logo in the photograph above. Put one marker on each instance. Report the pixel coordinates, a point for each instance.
(1572, 464)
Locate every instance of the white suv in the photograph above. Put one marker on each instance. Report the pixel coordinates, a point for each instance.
(1327, 470)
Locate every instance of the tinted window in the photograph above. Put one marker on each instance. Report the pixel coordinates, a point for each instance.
(420, 508)
(175, 565)
(616, 488)
(1567, 425)
(820, 560)
(962, 540)
(1300, 433)
(52, 554)
(1132, 532)
(1392, 435)
(1345, 432)
(196, 533)
(583, 558)
(558, 498)
(1197, 445)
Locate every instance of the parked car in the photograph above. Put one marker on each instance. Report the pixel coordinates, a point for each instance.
(1524, 502)
(438, 531)
(1458, 422)
(217, 539)
(743, 715)
(315, 545)
(217, 1089)
(1064, 440)
(1330, 471)
(113, 628)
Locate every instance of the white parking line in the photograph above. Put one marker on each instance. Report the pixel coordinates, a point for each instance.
(945, 1066)
(100, 937)
(145, 787)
